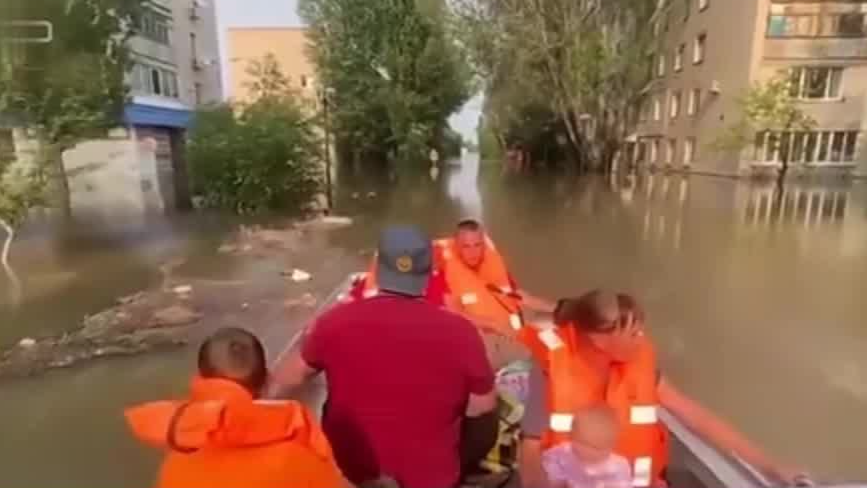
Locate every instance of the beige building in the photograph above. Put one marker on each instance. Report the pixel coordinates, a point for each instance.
(288, 45)
(715, 50)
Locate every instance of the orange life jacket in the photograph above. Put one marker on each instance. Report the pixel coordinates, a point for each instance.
(222, 438)
(631, 391)
(485, 292)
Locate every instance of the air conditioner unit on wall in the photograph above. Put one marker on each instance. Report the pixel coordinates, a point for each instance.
(715, 87)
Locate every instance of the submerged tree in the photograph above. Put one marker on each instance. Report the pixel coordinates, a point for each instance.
(769, 117)
(392, 74)
(586, 62)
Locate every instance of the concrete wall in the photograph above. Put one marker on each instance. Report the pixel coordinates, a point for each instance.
(105, 178)
(287, 45)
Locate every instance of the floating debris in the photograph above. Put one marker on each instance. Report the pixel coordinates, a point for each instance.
(183, 289)
(27, 342)
(299, 276)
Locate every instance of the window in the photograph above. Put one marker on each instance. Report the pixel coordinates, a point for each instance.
(678, 57)
(303, 81)
(654, 151)
(660, 68)
(154, 26)
(815, 83)
(670, 151)
(821, 147)
(657, 109)
(687, 7)
(674, 108)
(688, 151)
(792, 25)
(703, 4)
(152, 80)
(197, 89)
(194, 48)
(694, 104)
(817, 25)
(850, 25)
(698, 49)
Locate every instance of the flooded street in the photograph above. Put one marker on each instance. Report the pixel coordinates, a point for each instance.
(757, 307)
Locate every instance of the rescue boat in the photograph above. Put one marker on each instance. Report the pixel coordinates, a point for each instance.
(695, 463)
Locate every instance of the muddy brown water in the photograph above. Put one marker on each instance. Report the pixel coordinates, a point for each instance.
(757, 307)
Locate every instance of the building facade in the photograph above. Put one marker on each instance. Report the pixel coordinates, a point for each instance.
(288, 46)
(140, 167)
(713, 51)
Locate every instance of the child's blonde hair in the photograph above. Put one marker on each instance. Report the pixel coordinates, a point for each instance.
(596, 424)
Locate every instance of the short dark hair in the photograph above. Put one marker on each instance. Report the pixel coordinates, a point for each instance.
(471, 225)
(594, 311)
(234, 354)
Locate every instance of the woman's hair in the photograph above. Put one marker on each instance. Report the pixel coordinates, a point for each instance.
(594, 311)
(234, 354)
(598, 311)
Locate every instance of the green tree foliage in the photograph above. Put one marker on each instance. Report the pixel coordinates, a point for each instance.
(580, 68)
(259, 156)
(64, 91)
(767, 109)
(393, 74)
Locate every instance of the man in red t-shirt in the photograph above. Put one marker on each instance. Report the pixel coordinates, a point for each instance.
(402, 374)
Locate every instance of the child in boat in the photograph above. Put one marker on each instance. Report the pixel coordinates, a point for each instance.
(589, 461)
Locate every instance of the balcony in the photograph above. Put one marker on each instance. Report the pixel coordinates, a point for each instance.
(815, 48)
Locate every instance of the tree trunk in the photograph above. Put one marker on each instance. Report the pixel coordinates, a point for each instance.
(4, 260)
(51, 153)
(183, 199)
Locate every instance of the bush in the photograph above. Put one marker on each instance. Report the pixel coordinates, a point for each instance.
(259, 157)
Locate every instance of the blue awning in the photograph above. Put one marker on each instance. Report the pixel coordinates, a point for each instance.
(138, 114)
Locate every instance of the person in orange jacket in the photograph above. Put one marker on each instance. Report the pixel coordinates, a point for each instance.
(599, 351)
(224, 436)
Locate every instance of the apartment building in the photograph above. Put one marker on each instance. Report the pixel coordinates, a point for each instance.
(288, 45)
(713, 51)
(140, 167)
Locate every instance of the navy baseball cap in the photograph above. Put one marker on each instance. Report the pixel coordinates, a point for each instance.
(404, 260)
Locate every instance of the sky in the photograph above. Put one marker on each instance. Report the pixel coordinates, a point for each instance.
(283, 13)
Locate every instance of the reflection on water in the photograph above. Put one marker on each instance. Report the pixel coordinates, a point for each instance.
(756, 302)
(463, 186)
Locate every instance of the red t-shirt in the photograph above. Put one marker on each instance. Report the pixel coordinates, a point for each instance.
(435, 293)
(399, 373)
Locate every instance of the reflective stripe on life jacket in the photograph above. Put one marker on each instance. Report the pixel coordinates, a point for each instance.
(631, 391)
(485, 292)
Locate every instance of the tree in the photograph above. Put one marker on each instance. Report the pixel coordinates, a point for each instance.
(258, 156)
(63, 92)
(771, 114)
(584, 62)
(394, 74)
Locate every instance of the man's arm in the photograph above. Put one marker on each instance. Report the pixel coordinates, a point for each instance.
(478, 405)
(535, 303)
(293, 373)
(721, 434)
(478, 374)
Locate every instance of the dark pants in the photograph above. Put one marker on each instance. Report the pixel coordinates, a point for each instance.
(478, 437)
